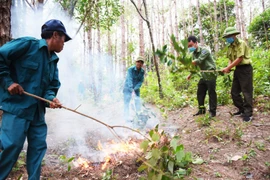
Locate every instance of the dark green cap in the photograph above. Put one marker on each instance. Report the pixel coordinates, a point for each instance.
(230, 31)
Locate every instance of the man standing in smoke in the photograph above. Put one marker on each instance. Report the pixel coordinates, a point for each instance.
(134, 80)
(28, 64)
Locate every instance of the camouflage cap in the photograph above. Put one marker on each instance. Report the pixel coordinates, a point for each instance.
(230, 31)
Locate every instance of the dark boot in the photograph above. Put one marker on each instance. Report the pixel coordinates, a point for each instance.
(201, 111)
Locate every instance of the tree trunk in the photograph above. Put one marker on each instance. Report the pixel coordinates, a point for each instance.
(123, 43)
(216, 27)
(5, 27)
(242, 20)
(146, 19)
(176, 20)
(99, 61)
(225, 12)
(163, 24)
(110, 64)
(92, 79)
(141, 31)
(190, 17)
(5, 21)
(171, 18)
(238, 26)
(200, 23)
(263, 5)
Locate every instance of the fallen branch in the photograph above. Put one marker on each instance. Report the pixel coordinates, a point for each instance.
(111, 128)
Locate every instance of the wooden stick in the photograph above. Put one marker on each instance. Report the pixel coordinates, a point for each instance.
(210, 70)
(111, 128)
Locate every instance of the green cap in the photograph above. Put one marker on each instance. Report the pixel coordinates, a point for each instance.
(140, 58)
(230, 31)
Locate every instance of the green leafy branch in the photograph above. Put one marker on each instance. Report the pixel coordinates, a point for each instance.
(164, 159)
(180, 60)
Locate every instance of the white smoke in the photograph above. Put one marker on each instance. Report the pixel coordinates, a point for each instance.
(64, 125)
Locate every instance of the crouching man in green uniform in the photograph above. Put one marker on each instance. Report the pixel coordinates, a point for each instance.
(203, 58)
(28, 64)
(238, 55)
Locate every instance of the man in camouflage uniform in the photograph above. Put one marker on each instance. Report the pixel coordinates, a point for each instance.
(238, 55)
(203, 58)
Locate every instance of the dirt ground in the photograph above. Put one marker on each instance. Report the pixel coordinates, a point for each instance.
(231, 149)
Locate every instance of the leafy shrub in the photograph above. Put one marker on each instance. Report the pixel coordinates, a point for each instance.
(165, 159)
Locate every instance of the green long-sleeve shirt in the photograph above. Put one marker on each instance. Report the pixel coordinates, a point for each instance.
(26, 61)
(205, 61)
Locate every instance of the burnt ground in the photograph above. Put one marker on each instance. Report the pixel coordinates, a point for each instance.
(232, 149)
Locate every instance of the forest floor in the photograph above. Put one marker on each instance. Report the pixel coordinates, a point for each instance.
(231, 149)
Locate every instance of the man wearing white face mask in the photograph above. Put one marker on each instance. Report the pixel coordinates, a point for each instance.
(203, 58)
(238, 55)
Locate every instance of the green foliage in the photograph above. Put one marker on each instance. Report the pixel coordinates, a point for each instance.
(260, 28)
(217, 134)
(260, 146)
(164, 159)
(248, 155)
(108, 175)
(261, 71)
(203, 120)
(20, 162)
(66, 160)
(182, 60)
(178, 92)
(207, 20)
(102, 13)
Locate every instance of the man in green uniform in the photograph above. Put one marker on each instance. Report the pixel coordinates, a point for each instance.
(28, 64)
(238, 55)
(203, 58)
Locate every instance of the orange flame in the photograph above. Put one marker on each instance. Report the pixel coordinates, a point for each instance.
(84, 163)
(108, 158)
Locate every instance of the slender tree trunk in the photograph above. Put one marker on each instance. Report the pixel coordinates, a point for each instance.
(5, 21)
(171, 18)
(92, 79)
(225, 12)
(176, 20)
(146, 19)
(263, 5)
(123, 43)
(110, 68)
(250, 12)
(190, 17)
(216, 27)
(242, 20)
(200, 23)
(158, 31)
(141, 31)
(100, 61)
(163, 24)
(116, 63)
(153, 49)
(238, 25)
